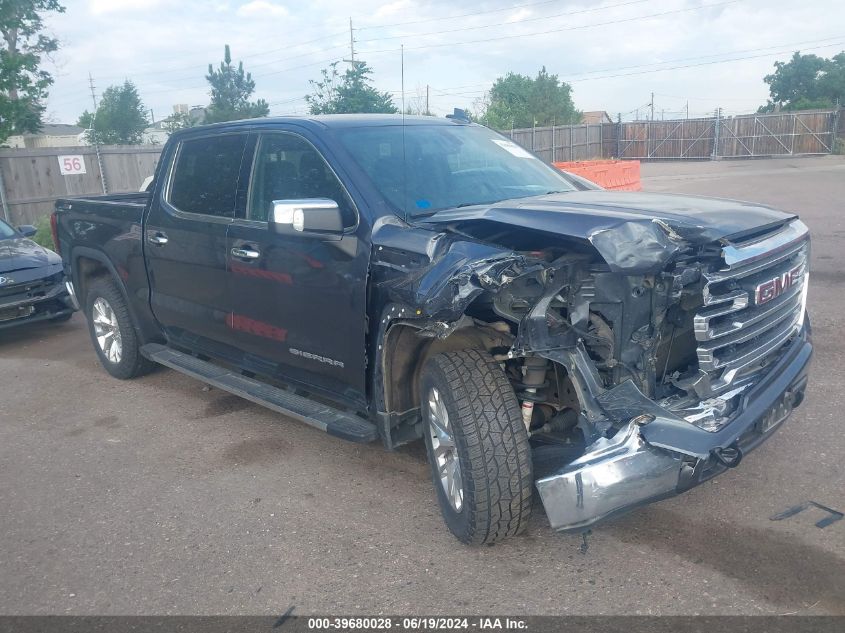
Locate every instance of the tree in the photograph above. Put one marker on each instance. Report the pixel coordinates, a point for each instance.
(231, 89)
(178, 121)
(121, 117)
(806, 82)
(23, 85)
(348, 93)
(520, 101)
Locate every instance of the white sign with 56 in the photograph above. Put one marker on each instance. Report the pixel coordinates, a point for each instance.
(72, 165)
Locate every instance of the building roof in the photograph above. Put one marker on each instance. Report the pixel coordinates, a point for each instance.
(59, 129)
(596, 116)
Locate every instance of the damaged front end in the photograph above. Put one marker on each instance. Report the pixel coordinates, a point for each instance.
(648, 356)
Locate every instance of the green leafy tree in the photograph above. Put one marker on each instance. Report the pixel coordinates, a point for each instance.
(121, 117)
(806, 82)
(348, 93)
(231, 88)
(178, 121)
(23, 85)
(519, 101)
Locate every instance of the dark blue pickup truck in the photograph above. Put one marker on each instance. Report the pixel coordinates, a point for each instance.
(391, 278)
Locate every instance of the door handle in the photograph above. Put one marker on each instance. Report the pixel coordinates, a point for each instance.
(245, 253)
(158, 238)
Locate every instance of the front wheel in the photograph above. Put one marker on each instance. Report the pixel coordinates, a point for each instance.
(477, 446)
(112, 333)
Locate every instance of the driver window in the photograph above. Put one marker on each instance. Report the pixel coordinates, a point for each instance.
(287, 167)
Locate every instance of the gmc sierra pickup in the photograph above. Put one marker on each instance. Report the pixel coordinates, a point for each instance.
(380, 277)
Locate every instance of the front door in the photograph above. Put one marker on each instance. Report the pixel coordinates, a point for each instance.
(298, 301)
(185, 242)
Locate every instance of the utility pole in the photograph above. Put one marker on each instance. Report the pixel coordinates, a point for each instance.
(93, 136)
(427, 111)
(652, 106)
(687, 110)
(351, 59)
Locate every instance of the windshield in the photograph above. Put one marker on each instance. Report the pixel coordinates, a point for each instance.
(6, 231)
(448, 166)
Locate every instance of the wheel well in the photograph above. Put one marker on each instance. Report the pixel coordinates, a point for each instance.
(86, 270)
(406, 351)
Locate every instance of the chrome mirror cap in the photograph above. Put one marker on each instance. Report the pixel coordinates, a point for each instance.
(292, 213)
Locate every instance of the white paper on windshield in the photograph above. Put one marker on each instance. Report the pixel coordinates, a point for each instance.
(512, 147)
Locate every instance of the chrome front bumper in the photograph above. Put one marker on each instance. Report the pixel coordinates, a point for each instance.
(617, 474)
(642, 464)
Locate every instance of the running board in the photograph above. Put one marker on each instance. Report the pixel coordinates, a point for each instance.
(333, 421)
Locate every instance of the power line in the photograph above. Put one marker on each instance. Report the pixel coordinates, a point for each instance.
(534, 34)
(168, 69)
(504, 37)
(509, 22)
(508, 8)
(671, 61)
(722, 61)
(700, 57)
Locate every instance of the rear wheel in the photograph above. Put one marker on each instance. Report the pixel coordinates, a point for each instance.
(477, 446)
(112, 333)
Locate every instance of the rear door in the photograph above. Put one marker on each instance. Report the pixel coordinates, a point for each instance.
(185, 241)
(298, 301)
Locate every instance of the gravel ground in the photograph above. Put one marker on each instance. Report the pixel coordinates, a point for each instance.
(157, 496)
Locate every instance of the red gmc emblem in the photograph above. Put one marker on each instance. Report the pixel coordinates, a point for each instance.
(774, 288)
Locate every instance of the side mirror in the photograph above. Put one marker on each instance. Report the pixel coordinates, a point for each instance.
(27, 230)
(315, 216)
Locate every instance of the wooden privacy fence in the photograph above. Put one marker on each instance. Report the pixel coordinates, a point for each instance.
(752, 135)
(31, 179)
(567, 142)
(778, 134)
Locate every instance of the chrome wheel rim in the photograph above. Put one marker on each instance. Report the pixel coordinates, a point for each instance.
(107, 331)
(445, 452)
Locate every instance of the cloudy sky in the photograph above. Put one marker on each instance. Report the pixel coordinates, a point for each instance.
(615, 53)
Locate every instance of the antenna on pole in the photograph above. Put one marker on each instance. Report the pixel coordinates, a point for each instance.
(93, 137)
(404, 155)
(402, 61)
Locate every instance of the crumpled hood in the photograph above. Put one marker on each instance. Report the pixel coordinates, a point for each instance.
(633, 232)
(20, 253)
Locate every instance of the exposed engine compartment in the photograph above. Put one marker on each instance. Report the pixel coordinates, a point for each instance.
(646, 354)
(592, 334)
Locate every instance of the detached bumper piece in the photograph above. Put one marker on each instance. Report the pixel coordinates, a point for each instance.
(666, 456)
(617, 475)
(33, 301)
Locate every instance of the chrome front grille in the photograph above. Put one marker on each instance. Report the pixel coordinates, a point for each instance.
(736, 329)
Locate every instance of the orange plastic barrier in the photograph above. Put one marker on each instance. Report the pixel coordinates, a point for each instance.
(619, 175)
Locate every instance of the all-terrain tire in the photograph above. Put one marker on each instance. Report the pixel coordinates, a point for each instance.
(131, 363)
(490, 441)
